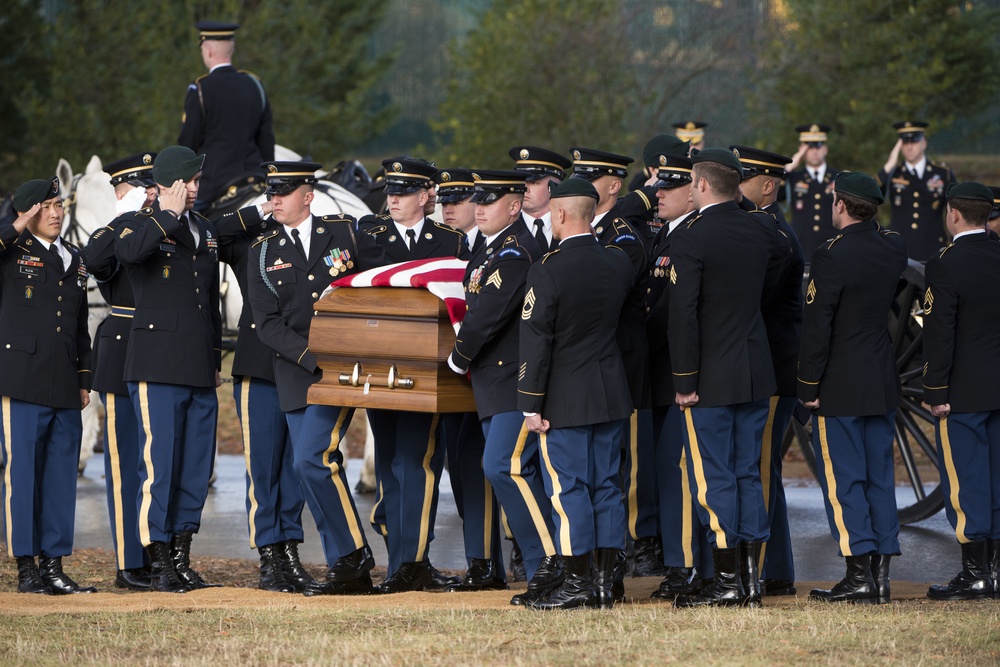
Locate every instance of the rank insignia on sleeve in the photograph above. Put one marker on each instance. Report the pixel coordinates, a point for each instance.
(673, 275)
(928, 301)
(125, 232)
(811, 292)
(529, 304)
(495, 279)
(522, 371)
(925, 368)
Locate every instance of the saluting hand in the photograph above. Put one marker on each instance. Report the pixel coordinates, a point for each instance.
(893, 160)
(174, 198)
(23, 219)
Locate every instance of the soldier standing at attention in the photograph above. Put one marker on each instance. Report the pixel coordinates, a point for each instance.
(131, 178)
(45, 357)
(544, 170)
(573, 392)
(809, 190)
(847, 376)
(289, 266)
(226, 115)
(962, 386)
(916, 192)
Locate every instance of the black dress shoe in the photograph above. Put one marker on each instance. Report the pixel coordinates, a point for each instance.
(133, 579)
(679, 581)
(28, 578)
(297, 576)
(348, 576)
(880, 573)
(409, 577)
(517, 572)
(726, 589)
(857, 587)
(749, 573)
(58, 581)
(162, 575)
(994, 565)
(618, 576)
(776, 587)
(440, 581)
(181, 555)
(483, 575)
(577, 589)
(973, 582)
(645, 561)
(360, 586)
(604, 560)
(272, 576)
(548, 577)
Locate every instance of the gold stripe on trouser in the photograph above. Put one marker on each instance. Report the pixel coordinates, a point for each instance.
(529, 499)
(765, 469)
(949, 466)
(506, 526)
(342, 492)
(699, 476)
(6, 475)
(633, 474)
(687, 518)
(382, 528)
(488, 519)
(147, 457)
(430, 480)
(831, 490)
(564, 537)
(251, 488)
(111, 425)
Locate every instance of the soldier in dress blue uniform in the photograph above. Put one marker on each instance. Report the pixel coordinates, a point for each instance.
(172, 363)
(289, 266)
(962, 385)
(809, 190)
(763, 172)
(691, 131)
(847, 376)
(544, 170)
(45, 356)
(684, 539)
(486, 347)
(645, 181)
(408, 487)
(573, 392)
(227, 116)
(131, 178)
(722, 371)
(915, 191)
(274, 496)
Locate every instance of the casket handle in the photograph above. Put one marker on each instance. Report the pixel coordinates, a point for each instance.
(397, 382)
(354, 379)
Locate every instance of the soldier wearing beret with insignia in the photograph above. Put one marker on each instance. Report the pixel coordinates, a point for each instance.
(404, 440)
(781, 307)
(46, 379)
(544, 169)
(274, 496)
(962, 385)
(684, 538)
(486, 348)
(692, 132)
(573, 392)
(132, 179)
(847, 376)
(916, 191)
(809, 190)
(227, 116)
(722, 371)
(289, 266)
(172, 363)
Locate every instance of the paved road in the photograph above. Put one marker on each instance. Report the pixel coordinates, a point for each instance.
(930, 552)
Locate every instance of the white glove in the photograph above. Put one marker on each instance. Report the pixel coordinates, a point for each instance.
(132, 201)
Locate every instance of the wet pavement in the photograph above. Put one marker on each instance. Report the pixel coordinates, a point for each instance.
(930, 552)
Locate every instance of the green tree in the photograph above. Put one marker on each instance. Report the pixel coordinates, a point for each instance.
(24, 70)
(861, 66)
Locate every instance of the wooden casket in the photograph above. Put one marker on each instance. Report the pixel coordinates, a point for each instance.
(395, 341)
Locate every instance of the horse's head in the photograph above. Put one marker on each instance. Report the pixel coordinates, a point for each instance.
(88, 197)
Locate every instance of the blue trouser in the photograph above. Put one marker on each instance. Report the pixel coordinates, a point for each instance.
(641, 499)
(121, 475)
(581, 478)
(855, 469)
(685, 538)
(512, 464)
(177, 439)
(969, 460)
(317, 432)
(776, 555)
(274, 496)
(408, 462)
(723, 450)
(463, 437)
(41, 449)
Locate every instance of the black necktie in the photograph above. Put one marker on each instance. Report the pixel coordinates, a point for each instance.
(411, 239)
(57, 259)
(184, 233)
(540, 235)
(477, 244)
(297, 242)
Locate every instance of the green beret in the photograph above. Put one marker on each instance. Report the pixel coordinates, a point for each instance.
(575, 187)
(663, 144)
(176, 163)
(859, 185)
(720, 156)
(35, 192)
(969, 190)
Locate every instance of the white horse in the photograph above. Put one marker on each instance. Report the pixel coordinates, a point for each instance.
(90, 204)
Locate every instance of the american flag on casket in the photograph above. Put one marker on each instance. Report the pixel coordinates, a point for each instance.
(442, 277)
